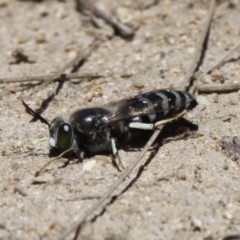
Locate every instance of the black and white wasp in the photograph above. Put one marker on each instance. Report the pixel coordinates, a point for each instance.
(101, 129)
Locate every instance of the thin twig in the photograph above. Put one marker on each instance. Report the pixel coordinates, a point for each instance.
(123, 30)
(106, 195)
(200, 44)
(64, 76)
(81, 55)
(109, 192)
(218, 88)
(222, 60)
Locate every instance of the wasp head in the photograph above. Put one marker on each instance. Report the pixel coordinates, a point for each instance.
(61, 134)
(63, 137)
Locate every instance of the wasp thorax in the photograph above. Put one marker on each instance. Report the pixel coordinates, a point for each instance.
(61, 134)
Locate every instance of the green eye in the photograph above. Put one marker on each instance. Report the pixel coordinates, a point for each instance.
(64, 136)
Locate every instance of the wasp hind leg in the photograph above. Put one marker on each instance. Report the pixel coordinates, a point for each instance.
(115, 156)
(157, 125)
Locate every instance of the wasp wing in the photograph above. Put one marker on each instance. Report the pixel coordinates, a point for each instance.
(149, 107)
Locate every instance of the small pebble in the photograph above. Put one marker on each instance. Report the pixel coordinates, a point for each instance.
(217, 76)
(196, 224)
(43, 11)
(61, 13)
(89, 96)
(40, 38)
(138, 82)
(180, 175)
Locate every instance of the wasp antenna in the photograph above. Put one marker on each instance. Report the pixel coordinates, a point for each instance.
(35, 114)
(54, 159)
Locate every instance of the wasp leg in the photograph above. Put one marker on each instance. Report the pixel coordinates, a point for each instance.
(143, 126)
(152, 126)
(118, 163)
(158, 124)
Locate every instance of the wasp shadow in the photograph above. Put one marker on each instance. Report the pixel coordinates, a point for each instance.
(176, 130)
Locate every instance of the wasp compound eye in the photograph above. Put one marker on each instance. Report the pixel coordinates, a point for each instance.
(61, 134)
(64, 136)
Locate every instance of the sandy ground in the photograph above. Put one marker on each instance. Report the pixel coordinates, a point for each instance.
(189, 190)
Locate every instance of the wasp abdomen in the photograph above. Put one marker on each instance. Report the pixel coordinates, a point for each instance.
(157, 105)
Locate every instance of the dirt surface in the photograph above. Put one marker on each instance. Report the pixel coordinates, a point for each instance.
(189, 190)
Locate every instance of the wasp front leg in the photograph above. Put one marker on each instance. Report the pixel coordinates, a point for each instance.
(115, 157)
